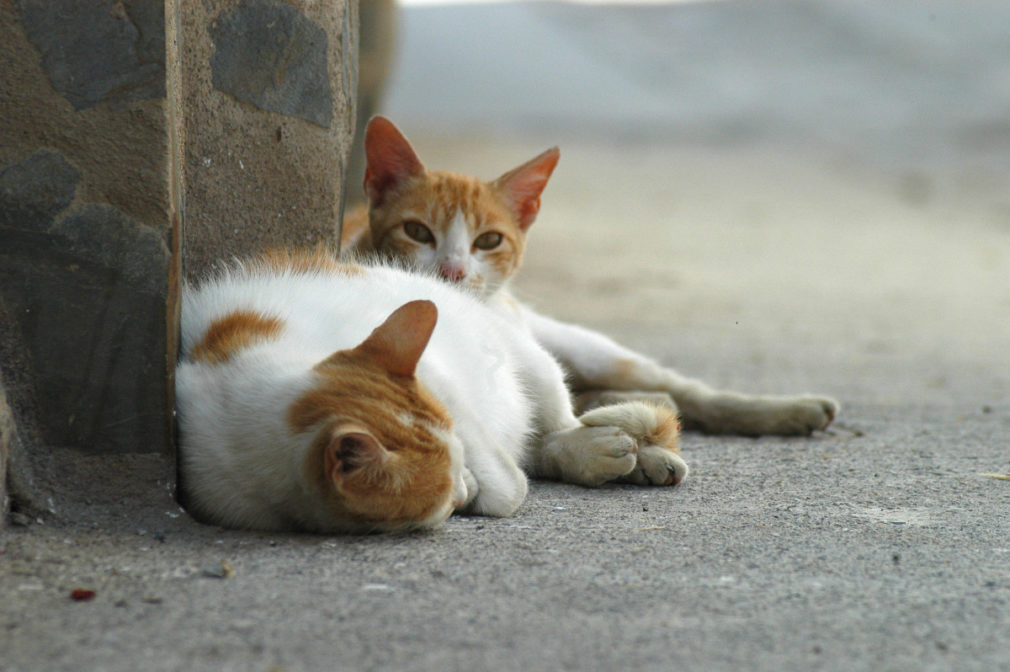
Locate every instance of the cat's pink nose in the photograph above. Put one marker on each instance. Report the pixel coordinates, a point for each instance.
(452, 272)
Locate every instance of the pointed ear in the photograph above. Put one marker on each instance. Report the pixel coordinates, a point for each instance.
(390, 159)
(522, 186)
(350, 450)
(398, 343)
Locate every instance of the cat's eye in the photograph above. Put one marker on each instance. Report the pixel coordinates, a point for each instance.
(418, 231)
(487, 241)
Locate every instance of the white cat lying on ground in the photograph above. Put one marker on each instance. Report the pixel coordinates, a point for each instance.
(323, 396)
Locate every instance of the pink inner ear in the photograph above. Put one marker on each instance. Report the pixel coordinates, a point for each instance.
(390, 159)
(398, 343)
(350, 451)
(522, 186)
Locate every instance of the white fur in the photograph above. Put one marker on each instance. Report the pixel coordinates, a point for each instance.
(232, 415)
(454, 251)
(510, 409)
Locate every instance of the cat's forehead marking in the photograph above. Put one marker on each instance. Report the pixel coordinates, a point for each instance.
(458, 231)
(456, 194)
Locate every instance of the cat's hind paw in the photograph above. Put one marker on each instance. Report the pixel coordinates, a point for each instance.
(761, 415)
(807, 414)
(656, 432)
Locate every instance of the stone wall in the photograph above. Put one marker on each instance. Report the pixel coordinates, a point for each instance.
(136, 136)
(268, 89)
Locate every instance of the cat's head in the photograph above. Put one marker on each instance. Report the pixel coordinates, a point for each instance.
(463, 229)
(383, 455)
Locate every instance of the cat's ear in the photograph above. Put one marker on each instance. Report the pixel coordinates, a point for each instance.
(390, 159)
(398, 343)
(351, 450)
(522, 186)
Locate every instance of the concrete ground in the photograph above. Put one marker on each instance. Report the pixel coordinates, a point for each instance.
(854, 260)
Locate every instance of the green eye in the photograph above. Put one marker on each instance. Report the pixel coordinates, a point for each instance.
(488, 241)
(418, 231)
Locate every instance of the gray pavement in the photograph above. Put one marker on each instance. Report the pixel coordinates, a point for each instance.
(822, 261)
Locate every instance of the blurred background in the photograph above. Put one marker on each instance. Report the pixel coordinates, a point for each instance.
(821, 180)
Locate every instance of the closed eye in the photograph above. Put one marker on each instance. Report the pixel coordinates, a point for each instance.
(488, 241)
(418, 231)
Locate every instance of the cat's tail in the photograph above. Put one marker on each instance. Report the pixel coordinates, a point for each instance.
(656, 430)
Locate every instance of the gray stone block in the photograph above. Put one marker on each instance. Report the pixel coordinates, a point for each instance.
(272, 56)
(86, 297)
(34, 191)
(102, 235)
(99, 51)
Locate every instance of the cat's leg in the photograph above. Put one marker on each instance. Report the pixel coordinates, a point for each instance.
(566, 449)
(597, 362)
(588, 400)
(632, 442)
(495, 483)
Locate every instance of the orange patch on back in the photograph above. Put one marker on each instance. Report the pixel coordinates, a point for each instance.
(232, 333)
(314, 260)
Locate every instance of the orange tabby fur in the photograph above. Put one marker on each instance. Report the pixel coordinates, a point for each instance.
(404, 476)
(434, 199)
(232, 333)
(401, 191)
(314, 260)
(398, 487)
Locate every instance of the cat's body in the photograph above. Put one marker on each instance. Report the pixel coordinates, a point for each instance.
(473, 232)
(295, 414)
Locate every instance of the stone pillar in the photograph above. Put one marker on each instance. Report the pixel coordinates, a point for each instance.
(269, 97)
(113, 115)
(88, 224)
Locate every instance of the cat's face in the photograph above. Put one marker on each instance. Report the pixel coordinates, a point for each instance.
(383, 454)
(463, 229)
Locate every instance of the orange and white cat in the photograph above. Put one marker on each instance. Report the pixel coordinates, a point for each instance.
(323, 396)
(473, 233)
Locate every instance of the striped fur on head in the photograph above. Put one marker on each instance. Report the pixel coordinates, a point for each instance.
(464, 229)
(381, 453)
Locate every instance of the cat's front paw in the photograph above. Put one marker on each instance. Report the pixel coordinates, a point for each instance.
(656, 431)
(470, 488)
(656, 466)
(590, 456)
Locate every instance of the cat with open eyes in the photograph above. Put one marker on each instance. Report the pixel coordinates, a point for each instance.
(324, 396)
(473, 233)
